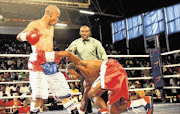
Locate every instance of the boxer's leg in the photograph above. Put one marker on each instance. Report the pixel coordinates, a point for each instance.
(59, 86)
(118, 107)
(94, 95)
(39, 88)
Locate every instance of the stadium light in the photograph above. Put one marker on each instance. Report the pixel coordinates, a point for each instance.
(61, 24)
(86, 12)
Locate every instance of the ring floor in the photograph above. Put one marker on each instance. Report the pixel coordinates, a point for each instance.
(166, 108)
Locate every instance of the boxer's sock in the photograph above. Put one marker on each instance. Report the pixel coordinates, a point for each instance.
(81, 111)
(103, 111)
(69, 106)
(33, 108)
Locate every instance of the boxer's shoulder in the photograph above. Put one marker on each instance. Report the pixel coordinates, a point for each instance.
(34, 24)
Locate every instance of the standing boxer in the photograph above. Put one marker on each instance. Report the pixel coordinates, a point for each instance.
(43, 68)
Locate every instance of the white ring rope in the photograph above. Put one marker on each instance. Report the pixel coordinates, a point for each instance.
(62, 70)
(134, 78)
(139, 89)
(132, 68)
(29, 96)
(148, 78)
(140, 78)
(29, 105)
(172, 65)
(14, 55)
(171, 52)
(115, 56)
(27, 55)
(118, 56)
(172, 76)
(166, 87)
(138, 68)
(20, 82)
(172, 87)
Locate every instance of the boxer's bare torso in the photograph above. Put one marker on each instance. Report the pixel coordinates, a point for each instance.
(45, 42)
(90, 70)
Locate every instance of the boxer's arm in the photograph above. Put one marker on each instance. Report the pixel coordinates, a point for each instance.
(83, 63)
(75, 59)
(22, 35)
(72, 47)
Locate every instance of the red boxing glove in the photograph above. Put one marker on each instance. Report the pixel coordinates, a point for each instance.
(57, 59)
(41, 57)
(33, 37)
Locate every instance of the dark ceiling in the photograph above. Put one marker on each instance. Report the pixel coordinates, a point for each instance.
(121, 8)
(127, 8)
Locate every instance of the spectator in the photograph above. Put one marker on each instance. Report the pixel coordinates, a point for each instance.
(140, 92)
(74, 89)
(173, 83)
(16, 103)
(18, 91)
(147, 85)
(178, 90)
(13, 88)
(1, 102)
(133, 94)
(24, 88)
(8, 103)
(25, 108)
(3, 92)
(168, 71)
(8, 90)
(146, 72)
(22, 76)
(2, 109)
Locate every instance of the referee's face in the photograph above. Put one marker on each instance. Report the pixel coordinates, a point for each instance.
(84, 32)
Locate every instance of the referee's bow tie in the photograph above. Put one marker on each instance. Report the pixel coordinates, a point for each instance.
(85, 39)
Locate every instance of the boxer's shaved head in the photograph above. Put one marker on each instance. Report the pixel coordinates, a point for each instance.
(51, 9)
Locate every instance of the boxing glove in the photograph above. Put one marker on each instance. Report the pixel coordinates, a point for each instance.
(33, 37)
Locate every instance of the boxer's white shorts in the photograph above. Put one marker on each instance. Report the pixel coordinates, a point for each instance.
(40, 83)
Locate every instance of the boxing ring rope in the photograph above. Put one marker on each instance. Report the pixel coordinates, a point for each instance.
(139, 89)
(134, 78)
(172, 65)
(132, 68)
(19, 82)
(29, 96)
(114, 56)
(126, 56)
(118, 56)
(14, 55)
(171, 52)
(24, 70)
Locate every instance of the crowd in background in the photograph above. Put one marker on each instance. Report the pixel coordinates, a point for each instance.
(12, 46)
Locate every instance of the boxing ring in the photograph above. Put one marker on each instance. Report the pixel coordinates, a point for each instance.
(157, 108)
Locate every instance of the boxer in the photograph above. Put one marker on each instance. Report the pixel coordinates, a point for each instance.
(42, 64)
(101, 76)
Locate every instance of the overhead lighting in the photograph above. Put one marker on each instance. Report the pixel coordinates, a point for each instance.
(86, 12)
(61, 24)
(1, 17)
